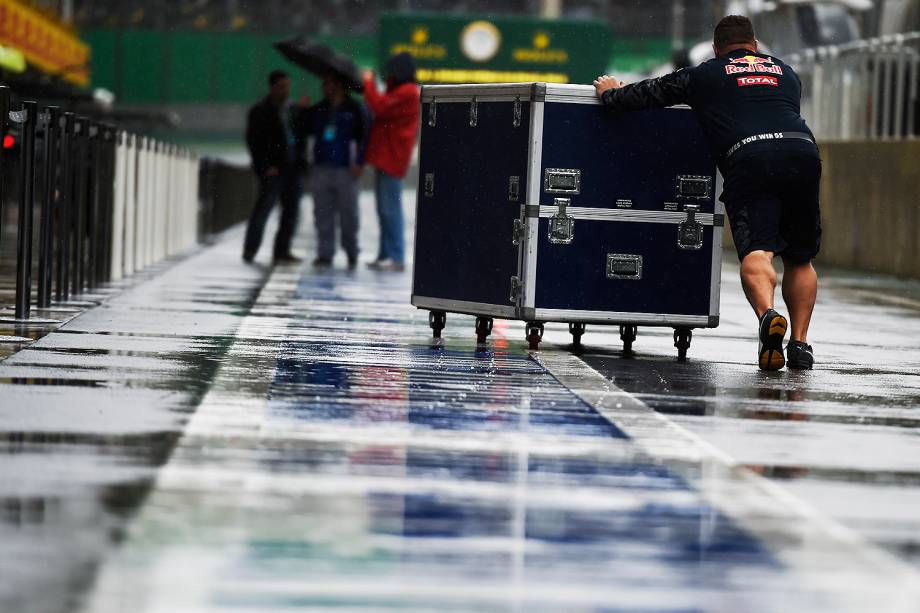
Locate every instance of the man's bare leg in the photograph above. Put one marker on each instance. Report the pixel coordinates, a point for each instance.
(800, 289)
(759, 280)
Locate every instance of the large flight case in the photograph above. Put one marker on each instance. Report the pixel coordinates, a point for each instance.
(536, 203)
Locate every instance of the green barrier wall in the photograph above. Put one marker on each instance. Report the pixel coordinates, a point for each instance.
(145, 66)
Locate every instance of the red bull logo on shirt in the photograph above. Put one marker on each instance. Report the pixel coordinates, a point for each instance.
(752, 63)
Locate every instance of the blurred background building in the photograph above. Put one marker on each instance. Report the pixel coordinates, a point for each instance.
(204, 61)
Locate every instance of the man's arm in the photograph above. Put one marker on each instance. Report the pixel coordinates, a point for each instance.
(664, 91)
(400, 102)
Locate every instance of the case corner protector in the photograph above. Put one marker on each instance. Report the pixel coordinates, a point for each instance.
(538, 92)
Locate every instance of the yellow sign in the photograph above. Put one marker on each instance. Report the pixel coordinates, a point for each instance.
(46, 44)
(541, 40)
(420, 35)
(419, 46)
(474, 75)
(541, 52)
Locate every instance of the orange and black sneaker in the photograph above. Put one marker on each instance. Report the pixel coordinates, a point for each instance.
(772, 330)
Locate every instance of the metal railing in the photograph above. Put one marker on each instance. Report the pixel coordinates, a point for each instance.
(866, 89)
(110, 203)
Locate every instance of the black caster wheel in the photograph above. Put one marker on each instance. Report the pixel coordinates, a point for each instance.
(483, 329)
(534, 334)
(628, 334)
(682, 338)
(437, 320)
(576, 329)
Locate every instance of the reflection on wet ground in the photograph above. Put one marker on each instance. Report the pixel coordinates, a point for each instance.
(221, 439)
(842, 437)
(88, 413)
(361, 468)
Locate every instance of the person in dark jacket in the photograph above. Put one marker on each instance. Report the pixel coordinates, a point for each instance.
(748, 106)
(337, 127)
(389, 150)
(278, 161)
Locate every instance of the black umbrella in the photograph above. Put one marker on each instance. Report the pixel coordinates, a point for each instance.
(321, 60)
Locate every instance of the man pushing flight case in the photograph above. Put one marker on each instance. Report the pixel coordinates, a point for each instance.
(535, 203)
(748, 104)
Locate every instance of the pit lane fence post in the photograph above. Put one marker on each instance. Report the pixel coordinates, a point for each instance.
(109, 203)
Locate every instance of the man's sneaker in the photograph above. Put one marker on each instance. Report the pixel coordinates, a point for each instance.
(322, 263)
(772, 330)
(248, 257)
(800, 355)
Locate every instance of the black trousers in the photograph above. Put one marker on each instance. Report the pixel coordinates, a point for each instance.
(288, 186)
(772, 201)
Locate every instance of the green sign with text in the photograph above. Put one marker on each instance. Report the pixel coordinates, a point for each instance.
(473, 49)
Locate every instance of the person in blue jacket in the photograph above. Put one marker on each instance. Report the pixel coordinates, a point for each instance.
(337, 127)
(747, 103)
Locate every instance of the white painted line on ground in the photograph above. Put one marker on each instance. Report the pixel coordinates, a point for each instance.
(822, 551)
(120, 586)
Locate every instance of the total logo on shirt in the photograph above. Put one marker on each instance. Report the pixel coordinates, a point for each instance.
(752, 63)
(746, 81)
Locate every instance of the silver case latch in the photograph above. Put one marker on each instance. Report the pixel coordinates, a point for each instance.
(474, 112)
(433, 112)
(514, 188)
(517, 232)
(516, 114)
(561, 225)
(562, 181)
(694, 187)
(624, 266)
(515, 289)
(690, 231)
(429, 184)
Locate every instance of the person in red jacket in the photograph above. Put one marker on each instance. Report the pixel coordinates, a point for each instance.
(389, 150)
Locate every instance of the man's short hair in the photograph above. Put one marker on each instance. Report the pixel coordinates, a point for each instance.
(276, 75)
(733, 30)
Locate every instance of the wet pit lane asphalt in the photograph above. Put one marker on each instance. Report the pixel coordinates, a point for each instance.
(222, 439)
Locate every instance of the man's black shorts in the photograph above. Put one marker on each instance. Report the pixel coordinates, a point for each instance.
(771, 197)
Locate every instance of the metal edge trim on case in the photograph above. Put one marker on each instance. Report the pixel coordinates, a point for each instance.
(419, 190)
(715, 282)
(654, 319)
(718, 207)
(484, 92)
(528, 269)
(630, 215)
(462, 306)
(538, 92)
(715, 279)
(572, 93)
(572, 100)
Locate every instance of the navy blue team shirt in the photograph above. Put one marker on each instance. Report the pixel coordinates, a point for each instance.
(741, 96)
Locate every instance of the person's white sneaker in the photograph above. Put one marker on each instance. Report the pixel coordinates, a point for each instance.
(388, 266)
